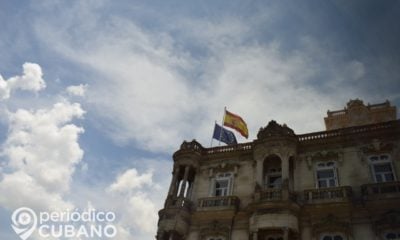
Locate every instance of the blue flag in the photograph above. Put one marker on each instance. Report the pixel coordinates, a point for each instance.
(224, 135)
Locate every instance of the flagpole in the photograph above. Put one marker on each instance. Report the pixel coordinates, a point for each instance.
(212, 137)
(222, 126)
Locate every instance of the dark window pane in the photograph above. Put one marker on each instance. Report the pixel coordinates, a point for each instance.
(327, 238)
(325, 174)
(332, 183)
(337, 237)
(383, 168)
(390, 236)
(322, 184)
(378, 178)
(389, 177)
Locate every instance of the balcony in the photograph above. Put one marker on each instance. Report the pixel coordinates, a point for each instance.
(179, 202)
(381, 190)
(328, 195)
(218, 203)
(269, 195)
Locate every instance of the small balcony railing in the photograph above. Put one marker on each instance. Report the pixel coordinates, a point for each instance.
(381, 190)
(179, 202)
(220, 203)
(333, 194)
(271, 194)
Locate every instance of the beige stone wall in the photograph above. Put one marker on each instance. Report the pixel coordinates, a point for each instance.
(353, 214)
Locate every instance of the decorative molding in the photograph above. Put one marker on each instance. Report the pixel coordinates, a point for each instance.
(213, 169)
(331, 223)
(376, 147)
(215, 228)
(324, 155)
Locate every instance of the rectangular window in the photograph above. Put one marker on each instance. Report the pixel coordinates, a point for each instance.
(326, 175)
(382, 168)
(222, 185)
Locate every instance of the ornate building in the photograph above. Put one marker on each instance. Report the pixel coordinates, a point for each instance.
(338, 184)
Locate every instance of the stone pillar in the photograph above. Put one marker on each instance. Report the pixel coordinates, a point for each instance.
(260, 172)
(285, 168)
(184, 182)
(255, 235)
(285, 233)
(172, 187)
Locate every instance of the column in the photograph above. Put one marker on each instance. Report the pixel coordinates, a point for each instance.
(285, 233)
(184, 182)
(255, 236)
(173, 182)
(285, 168)
(260, 172)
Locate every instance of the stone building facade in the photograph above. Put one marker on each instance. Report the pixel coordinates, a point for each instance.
(338, 184)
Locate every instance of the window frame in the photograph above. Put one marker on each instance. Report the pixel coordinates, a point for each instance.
(380, 161)
(270, 174)
(228, 176)
(323, 166)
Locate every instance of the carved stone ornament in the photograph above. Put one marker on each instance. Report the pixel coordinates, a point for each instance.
(375, 147)
(223, 167)
(215, 228)
(273, 129)
(193, 145)
(323, 156)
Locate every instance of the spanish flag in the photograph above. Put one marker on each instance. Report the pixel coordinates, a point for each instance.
(236, 122)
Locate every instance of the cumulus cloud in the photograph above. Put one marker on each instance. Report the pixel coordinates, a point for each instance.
(131, 180)
(42, 151)
(77, 90)
(31, 80)
(137, 203)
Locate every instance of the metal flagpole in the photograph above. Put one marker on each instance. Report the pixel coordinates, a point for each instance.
(212, 137)
(222, 126)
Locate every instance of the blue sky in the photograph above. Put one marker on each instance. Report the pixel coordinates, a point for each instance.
(149, 74)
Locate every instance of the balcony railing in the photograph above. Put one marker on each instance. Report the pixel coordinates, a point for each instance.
(179, 202)
(381, 190)
(302, 138)
(334, 194)
(270, 194)
(220, 203)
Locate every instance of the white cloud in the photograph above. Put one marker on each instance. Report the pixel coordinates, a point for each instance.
(42, 150)
(139, 200)
(131, 180)
(31, 80)
(78, 90)
(148, 97)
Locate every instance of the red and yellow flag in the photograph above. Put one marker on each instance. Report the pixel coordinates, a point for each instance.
(236, 122)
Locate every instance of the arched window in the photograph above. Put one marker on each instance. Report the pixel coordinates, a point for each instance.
(326, 175)
(382, 168)
(272, 172)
